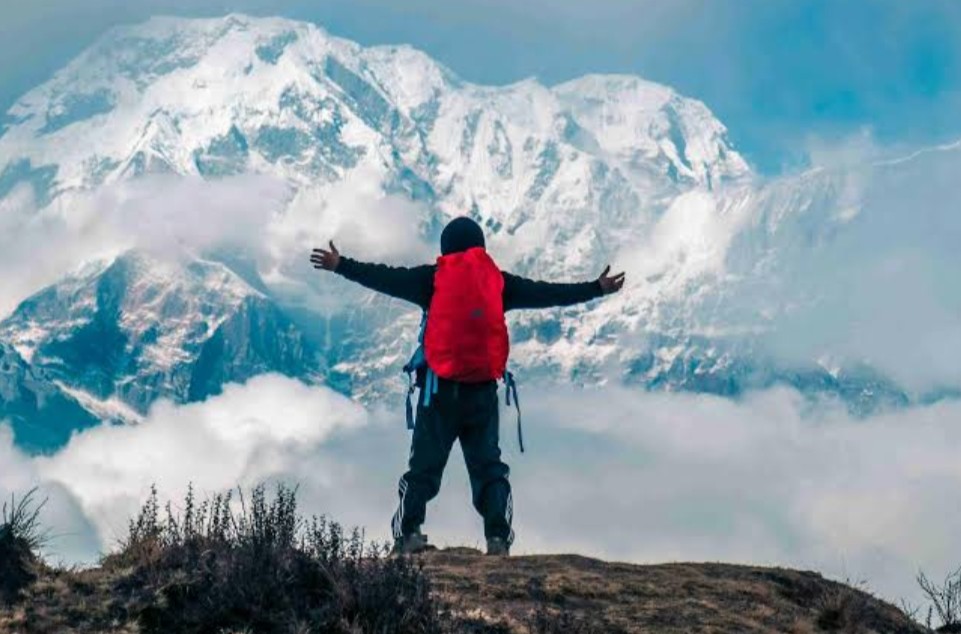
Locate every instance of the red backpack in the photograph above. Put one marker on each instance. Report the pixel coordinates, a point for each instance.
(465, 337)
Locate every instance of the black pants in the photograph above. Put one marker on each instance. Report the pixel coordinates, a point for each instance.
(469, 413)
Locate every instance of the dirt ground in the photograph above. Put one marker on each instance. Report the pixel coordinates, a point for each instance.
(667, 598)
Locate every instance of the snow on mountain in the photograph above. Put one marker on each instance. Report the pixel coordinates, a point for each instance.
(564, 179)
(225, 96)
(122, 333)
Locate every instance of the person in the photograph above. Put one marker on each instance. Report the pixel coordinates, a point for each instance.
(459, 409)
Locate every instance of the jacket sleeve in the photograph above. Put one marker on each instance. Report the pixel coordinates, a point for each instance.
(413, 284)
(520, 292)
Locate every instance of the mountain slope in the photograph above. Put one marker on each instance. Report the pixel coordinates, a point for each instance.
(275, 95)
(42, 415)
(124, 332)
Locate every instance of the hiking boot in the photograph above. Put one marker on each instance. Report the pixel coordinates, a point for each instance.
(498, 547)
(411, 544)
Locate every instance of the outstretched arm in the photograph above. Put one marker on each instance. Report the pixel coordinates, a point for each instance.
(520, 292)
(411, 284)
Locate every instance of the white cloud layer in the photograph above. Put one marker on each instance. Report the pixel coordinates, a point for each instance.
(164, 214)
(883, 282)
(609, 472)
(257, 217)
(852, 263)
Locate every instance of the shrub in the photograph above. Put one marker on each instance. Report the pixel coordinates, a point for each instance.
(945, 600)
(841, 609)
(20, 540)
(261, 567)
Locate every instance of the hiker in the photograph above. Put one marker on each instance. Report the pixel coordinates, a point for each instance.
(464, 352)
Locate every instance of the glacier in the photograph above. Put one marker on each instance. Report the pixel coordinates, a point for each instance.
(564, 179)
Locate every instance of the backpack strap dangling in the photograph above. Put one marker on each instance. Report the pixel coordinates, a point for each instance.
(417, 361)
(510, 387)
(410, 406)
(430, 386)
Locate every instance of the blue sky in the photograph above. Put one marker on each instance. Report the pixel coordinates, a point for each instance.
(777, 72)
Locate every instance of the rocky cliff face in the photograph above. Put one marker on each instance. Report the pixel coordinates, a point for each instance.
(41, 413)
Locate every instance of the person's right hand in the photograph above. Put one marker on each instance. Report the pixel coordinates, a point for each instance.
(328, 260)
(610, 283)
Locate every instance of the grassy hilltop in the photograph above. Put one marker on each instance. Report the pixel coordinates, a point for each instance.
(251, 564)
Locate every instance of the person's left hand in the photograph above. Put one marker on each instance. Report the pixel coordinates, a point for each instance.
(324, 259)
(610, 283)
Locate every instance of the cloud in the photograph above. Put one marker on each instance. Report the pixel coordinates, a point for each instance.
(610, 472)
(871, 277)
(271, 428)
(358, 216)
(655, 477)
(255, 217)
(71, 533)
(162, 214)
(852, 152)
(850, 264)
(247, 434)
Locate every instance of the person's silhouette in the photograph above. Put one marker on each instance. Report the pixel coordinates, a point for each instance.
(457, 409)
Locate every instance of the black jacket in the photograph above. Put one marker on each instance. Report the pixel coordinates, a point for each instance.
(416, 284)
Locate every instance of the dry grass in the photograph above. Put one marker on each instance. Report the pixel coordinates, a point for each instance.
(668, 598)
(842, 608)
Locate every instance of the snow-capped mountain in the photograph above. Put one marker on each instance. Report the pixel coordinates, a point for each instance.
(119, 334)
(215, 96)
(587, 161)
(563, 178)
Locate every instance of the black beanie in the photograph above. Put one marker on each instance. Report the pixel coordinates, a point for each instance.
(459, 235)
